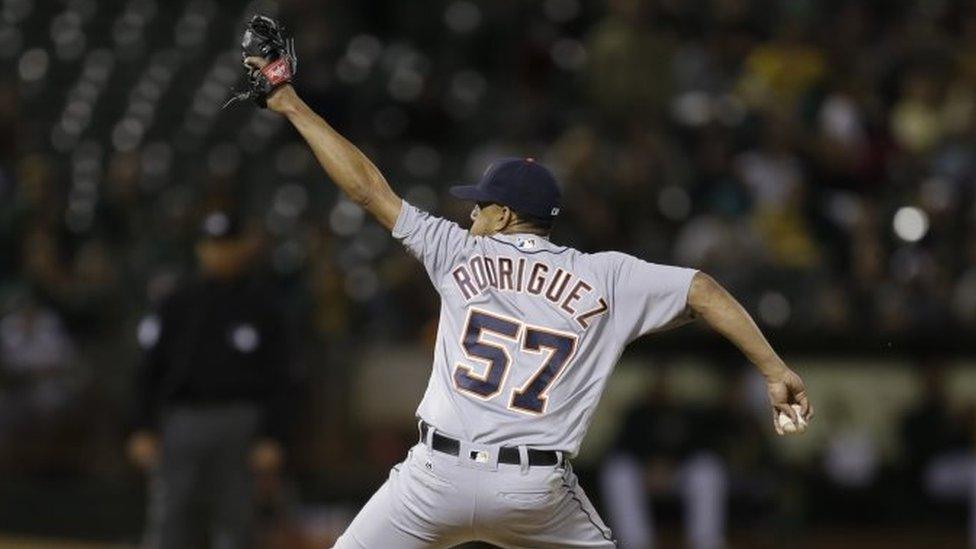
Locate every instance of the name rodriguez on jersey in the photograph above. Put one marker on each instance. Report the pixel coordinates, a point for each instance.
(529, 277)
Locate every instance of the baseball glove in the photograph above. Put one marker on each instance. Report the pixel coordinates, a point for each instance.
(265, 38)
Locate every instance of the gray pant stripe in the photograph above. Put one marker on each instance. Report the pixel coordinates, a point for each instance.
(585, 512)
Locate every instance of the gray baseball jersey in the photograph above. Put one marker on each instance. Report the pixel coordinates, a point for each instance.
(530, 331)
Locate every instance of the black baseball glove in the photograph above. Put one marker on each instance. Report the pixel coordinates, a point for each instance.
(265, 38)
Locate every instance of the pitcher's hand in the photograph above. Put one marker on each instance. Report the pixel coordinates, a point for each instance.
(280, 96)
(264, 39)
(786, 388)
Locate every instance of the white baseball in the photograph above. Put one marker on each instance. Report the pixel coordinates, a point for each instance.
(786, 423)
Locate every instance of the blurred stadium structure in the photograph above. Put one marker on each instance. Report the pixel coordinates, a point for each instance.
(817, 157)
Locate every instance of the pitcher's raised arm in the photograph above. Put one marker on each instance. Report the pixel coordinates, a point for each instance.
(271, 64)
(346, 165)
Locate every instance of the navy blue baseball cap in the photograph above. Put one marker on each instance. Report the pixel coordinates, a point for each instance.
(522, 184)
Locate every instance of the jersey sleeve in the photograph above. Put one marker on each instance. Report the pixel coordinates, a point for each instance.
(435, 241)
(648, 297)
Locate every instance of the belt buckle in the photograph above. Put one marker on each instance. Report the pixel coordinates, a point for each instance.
(478, 456)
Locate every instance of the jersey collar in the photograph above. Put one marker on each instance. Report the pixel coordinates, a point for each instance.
(527, 242)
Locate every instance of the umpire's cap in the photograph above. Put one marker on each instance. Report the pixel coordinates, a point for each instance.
(522, 184)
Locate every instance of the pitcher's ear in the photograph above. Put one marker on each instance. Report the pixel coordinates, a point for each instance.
(508, 216)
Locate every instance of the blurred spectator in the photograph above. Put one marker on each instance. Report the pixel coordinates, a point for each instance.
(939, 446)
(703, 454)
(39, 383)
(848, 486)
(917, 120)
(851, 457)
(213, 395)
(772, 174)
(664, 450)
(629, 62)
(738, 138)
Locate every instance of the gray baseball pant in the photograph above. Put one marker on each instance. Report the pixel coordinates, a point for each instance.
(433, 499)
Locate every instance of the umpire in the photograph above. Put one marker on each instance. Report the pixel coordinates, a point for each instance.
(212, 396)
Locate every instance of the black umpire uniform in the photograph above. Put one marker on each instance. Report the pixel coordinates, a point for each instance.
(214, 387)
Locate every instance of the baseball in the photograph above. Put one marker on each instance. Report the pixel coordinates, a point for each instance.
(786, 423)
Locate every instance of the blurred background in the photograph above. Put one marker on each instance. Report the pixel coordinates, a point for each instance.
(816, 157)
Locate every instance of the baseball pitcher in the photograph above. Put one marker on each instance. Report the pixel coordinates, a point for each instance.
(529, 332)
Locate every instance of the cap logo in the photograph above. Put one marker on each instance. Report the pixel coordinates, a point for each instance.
(554, 211)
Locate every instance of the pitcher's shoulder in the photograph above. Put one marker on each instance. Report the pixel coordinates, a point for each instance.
(610, 256)
(605, 260)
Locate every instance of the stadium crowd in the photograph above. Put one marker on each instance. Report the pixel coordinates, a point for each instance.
(817, 157)
(827, 176)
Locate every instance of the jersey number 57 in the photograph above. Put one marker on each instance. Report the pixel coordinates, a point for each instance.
(532, 397)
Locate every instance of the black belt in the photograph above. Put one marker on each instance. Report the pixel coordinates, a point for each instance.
(506, 454)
